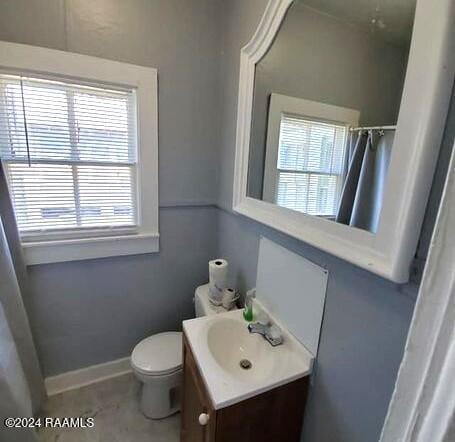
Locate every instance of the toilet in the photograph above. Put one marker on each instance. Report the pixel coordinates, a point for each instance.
(157, 363)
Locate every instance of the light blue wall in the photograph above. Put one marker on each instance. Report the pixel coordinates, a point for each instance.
(87, 312)
(363, 334)
(93, 311)
(366, 318)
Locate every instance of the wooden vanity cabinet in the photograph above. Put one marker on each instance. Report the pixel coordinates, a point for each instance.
(275, 415)
(195, 401)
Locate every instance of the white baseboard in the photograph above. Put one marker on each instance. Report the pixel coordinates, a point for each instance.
(86, 376)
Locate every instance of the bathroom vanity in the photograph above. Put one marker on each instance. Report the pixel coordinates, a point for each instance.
(274, 415)
(237, 387)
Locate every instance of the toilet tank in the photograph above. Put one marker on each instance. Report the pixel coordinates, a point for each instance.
(202, 304)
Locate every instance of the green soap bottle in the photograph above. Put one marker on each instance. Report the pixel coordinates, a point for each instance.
(248, 309)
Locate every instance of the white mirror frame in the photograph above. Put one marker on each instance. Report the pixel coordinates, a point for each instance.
(426, 95)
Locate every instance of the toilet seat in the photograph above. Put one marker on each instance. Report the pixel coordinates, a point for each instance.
(158, 355)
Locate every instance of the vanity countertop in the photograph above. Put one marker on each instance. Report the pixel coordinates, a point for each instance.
(220, 342)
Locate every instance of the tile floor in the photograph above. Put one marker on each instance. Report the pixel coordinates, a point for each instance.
(114, 406)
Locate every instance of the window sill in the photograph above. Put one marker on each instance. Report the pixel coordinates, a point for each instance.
(45, 252)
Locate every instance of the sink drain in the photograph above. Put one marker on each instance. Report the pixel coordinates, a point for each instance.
(245, 364)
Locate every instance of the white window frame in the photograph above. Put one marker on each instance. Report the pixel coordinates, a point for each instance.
(283, 104)
(144, 238)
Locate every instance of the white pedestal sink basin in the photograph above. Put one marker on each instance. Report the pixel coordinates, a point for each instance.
(236, 364)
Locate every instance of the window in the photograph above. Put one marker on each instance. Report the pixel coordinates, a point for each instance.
(305, 154)
(310, 165)
(82, 185)
(70, 155)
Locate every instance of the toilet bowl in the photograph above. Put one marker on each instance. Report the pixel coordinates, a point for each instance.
(157, 363)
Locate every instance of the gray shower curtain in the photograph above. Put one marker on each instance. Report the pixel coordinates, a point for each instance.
(15, 394)
(21, 383)
(363, 191)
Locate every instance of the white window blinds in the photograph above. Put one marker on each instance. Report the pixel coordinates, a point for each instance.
(310, 164)
(69, 152)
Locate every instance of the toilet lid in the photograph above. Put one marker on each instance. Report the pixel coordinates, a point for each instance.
(158, 354)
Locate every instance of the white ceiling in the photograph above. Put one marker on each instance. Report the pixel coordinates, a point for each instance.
(393, 18)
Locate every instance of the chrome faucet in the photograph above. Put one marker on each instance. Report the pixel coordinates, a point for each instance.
(271, 333)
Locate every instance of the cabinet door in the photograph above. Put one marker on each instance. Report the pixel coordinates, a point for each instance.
(195, 402)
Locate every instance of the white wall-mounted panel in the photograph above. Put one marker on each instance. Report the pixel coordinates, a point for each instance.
(293, 289)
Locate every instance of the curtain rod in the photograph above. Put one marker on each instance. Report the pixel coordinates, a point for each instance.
(353, 129)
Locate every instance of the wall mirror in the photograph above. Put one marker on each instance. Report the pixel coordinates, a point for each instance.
(340, 115)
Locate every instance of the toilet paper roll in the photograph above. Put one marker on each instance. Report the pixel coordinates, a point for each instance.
(229, 298)
(218, 269)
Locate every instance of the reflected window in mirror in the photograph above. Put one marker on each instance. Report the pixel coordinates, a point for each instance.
(306, 156)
